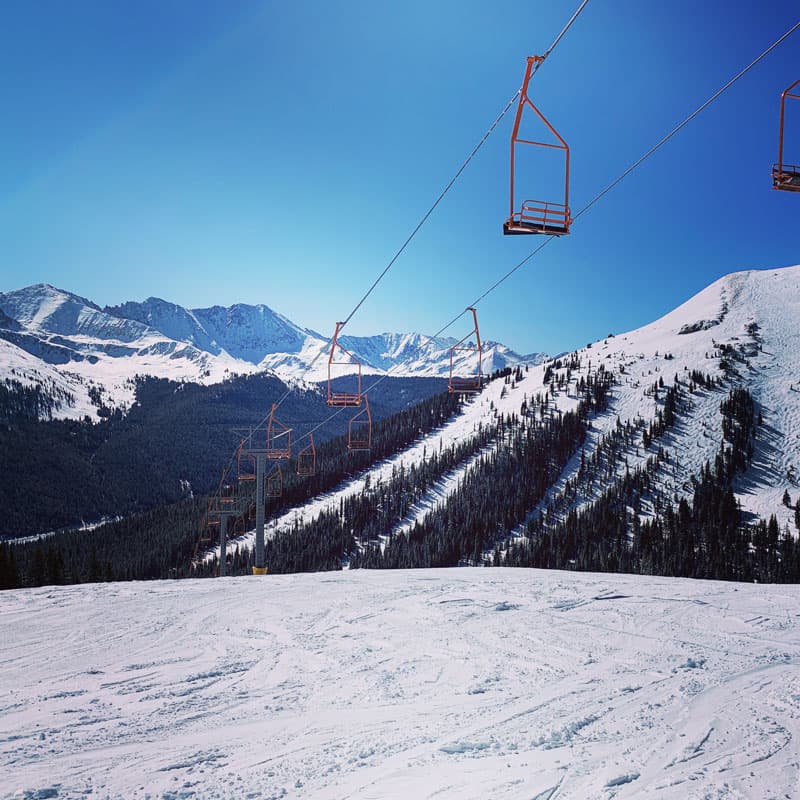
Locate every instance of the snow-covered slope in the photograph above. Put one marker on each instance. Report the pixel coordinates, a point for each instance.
(447, 684)
(742, 330)
(108, 347)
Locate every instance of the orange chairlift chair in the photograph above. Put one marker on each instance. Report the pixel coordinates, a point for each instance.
(471, 383)
(275, 482)
(339, 357)
(245, 464)
(208, 532)
(307, 458)
(786, 176)
(279, 438)
(537, 216)
(359, 431)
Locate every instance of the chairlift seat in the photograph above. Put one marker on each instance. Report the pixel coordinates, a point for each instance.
(359, 429)
(339, 359)
(512, 228)
(465, 385)
(344, 399)
(279, 438)
(471, 383)
(536, 216)
(786, 177)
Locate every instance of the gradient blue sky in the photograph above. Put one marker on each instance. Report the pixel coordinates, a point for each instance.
(210, 152)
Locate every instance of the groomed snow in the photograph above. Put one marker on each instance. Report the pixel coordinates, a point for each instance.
(463, 684)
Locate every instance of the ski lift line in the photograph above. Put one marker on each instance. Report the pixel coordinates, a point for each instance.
(438, 200)
(419, 225)
(547, 241)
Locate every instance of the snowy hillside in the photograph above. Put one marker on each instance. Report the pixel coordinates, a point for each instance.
(446, 684)
(80, 345)
(740, 331)
(743, 328)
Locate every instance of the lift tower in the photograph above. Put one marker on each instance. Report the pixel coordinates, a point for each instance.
(277, 447)
(225, 504)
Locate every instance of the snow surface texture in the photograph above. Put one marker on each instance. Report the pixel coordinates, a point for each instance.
(687, 339)
(462, 684)
(47, 331)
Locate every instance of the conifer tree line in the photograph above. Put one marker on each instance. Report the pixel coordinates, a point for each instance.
(498, 491)
(172, 442)
(29, 402)
(161, 543)
(607, 516)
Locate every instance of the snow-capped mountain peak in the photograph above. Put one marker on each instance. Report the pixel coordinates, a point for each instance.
(73, 341)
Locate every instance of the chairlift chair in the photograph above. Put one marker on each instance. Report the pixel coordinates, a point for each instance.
(275, 482)
(537, 216)
(245, 464)
(307, 458)
(279, 438)
(359, 430)
(471, 383)
(207, 533)
(227, 494)
(339, 357)
(785, 177)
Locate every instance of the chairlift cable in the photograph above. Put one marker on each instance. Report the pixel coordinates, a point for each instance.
(563, 31)
(688, 119)
(594, 200)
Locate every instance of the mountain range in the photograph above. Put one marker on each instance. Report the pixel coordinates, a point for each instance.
(671, 449)
(72, 347)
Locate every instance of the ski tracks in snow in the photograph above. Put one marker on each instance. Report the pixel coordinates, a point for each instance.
(462, 683)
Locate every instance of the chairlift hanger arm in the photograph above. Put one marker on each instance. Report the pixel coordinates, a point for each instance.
(475, 331)
(335, 344)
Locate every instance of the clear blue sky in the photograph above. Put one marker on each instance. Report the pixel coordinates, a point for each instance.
(210, 152)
